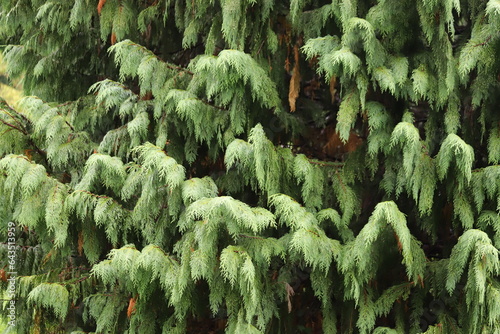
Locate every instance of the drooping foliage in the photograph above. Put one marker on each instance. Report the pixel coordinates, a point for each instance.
(297, 166)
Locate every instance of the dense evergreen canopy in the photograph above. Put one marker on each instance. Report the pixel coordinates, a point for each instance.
(248, 166)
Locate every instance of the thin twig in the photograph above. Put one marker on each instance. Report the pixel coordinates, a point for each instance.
(14, 127)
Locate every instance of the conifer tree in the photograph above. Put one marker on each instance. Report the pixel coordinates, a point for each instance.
(299, 166)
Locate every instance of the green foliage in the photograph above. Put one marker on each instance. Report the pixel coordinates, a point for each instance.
(159, 182)
(484, 266)
(359, 262)
(54, 296)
